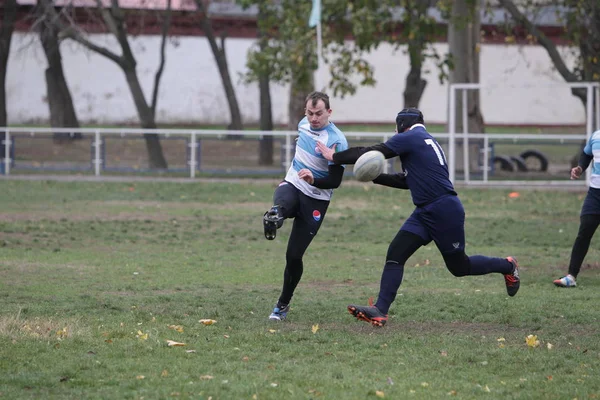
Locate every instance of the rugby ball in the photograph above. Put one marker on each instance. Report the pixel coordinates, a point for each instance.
(369, 166)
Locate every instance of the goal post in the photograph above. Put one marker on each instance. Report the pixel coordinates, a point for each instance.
(592, 121)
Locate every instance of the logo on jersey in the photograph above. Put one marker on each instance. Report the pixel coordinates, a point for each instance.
(455, 245)
(317, 215)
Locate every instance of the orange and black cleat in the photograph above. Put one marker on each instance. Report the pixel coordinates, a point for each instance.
(512, 280)
(370, 314)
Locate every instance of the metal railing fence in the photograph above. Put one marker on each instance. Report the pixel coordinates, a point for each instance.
(488, 146)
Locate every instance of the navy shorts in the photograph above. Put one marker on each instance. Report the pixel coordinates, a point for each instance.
(442, 221)
(591, 204)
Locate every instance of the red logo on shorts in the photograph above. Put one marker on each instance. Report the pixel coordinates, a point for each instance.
(316, 215)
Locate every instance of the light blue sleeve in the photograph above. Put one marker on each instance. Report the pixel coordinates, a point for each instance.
(593, 143)
(588, 147)
(337, 138)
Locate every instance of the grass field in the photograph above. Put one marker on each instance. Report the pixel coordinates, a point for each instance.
(95, 278)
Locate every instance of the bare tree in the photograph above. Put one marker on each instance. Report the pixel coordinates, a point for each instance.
(582, 27)
(581, 21)
(221, 60)
(60, 102)
(114, 19)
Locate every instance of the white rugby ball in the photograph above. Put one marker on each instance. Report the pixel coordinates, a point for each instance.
(369, 166)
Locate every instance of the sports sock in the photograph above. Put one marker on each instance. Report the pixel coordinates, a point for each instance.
(391, 278)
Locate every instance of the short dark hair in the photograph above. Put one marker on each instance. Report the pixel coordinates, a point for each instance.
(314, 98)
(407, 118)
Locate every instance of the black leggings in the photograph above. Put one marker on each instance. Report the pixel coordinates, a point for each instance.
(588, 224)
(308, 214)
(406, 243)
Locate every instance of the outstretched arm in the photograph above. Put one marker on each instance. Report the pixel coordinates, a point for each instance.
(353, 153)
(397, 181)
(333, 179)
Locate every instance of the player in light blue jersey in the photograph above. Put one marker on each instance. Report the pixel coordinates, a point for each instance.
(589, 218)
(305, 192)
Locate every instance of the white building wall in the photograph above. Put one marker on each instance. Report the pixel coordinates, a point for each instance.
(191, 91)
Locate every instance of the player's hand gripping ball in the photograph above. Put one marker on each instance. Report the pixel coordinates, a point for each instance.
(369, 166)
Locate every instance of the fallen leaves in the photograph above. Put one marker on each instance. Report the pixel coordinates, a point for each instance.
(315, 328)
(532, 341)
(177, 328)
(62, 333)
(141, 335)
(207, 321)
(172, 343)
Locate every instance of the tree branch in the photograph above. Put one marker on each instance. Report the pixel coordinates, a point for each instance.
(73, 34)
(165, 30)
(542, 39)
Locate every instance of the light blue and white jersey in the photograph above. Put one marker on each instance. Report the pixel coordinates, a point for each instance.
(592, 148)
(306, 156)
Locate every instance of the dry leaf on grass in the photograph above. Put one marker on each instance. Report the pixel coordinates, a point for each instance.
(177, 328)
(532, 341)
(171, 343)
(141, 335)
(207, 321)
(315, 328)
(379, 394)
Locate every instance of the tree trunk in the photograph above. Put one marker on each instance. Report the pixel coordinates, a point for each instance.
(415, 84)
(298, 92)
(265, 153)
(6, 31)
(463, 41)
(221, 60)
(60, 102)
(266, 121)
(156, 158)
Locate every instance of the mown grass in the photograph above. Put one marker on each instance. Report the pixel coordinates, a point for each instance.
(96, 277)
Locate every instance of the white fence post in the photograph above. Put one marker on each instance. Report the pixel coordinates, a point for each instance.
(452, 131)
(97, 159)
(465, 124)
(288, 150)
(486, 157)
(193, 161)
(7, 159)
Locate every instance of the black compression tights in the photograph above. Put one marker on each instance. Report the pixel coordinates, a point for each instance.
(300, 239)
(587, 227)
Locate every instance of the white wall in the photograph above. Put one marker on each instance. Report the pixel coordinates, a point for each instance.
(191, 90)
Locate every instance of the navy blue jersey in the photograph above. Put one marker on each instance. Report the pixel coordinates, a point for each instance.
(424, 164)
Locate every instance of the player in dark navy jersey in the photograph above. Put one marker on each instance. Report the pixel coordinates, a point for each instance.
(439, 215)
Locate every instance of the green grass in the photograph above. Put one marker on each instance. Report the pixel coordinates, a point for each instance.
(85, 266)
